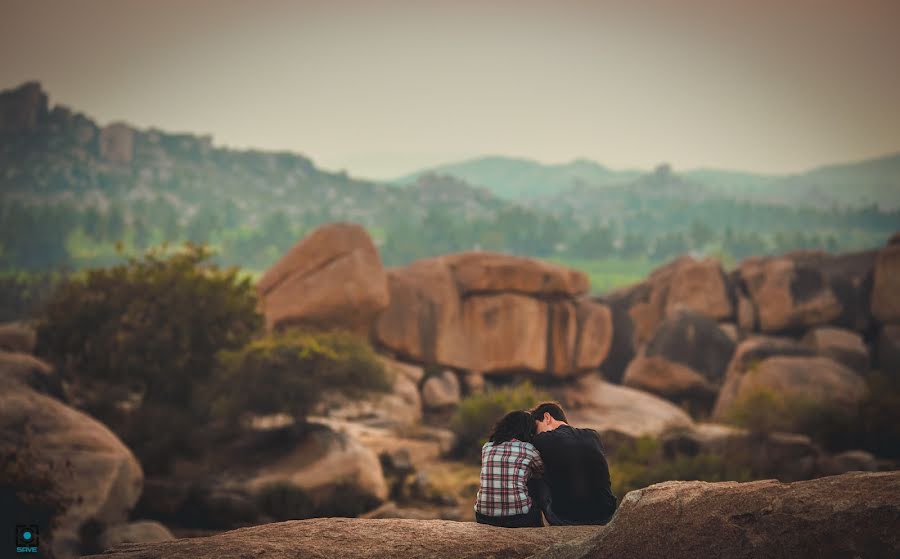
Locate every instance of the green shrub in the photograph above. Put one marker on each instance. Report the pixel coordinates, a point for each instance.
(639, 463)
(290, 371)
(477, 414)
(151, 326)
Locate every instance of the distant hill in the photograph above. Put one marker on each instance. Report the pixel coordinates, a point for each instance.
(874, 181)
(515, 178)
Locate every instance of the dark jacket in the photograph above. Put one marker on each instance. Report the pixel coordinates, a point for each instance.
(577, 473)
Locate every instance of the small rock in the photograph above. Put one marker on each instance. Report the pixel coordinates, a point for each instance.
(441, 391)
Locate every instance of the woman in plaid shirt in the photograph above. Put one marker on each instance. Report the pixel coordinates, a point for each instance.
(508, 462)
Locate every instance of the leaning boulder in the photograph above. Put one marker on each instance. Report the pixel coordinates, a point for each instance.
(852, 515)
(331, 278)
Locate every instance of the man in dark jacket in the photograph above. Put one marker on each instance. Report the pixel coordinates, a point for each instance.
(575, 470)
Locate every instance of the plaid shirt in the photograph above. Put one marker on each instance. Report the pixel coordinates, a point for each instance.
(505, 471)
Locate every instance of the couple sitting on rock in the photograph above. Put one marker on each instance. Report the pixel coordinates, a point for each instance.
(535, 462)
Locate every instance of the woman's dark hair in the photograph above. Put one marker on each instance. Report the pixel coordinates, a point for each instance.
(514, 425)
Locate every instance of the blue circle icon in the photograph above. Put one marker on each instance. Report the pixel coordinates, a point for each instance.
(27, 535)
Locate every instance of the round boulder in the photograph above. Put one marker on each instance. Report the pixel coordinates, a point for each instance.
(441, 391)
(844, 346)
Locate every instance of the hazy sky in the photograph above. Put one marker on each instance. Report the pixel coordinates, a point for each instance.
(381, 88)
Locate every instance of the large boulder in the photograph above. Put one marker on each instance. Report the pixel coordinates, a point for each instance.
(852, 515)
(494, 272)
(684, 360)
(800, 290)
(471, 312)
(331, 278)
(817, 380)
(90, 466)
(617, 412)
(682, 285)
(842, 345)
(358, 538)
(886, 285)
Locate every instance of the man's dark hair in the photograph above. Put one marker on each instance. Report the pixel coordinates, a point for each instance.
(514, 425)
(553, 408)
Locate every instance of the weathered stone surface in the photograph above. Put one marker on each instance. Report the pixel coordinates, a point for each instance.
(730, 330)
(763, 519)
(595, 334)
(472, 382)
(748, 354)
(17, 337)
(849, 461)
(786, 456)
(142, 531)
(441, 391)
(90, 465)
(788, 293)
(506, 332)
(423, 322)
(844, 346)
(117, 143)
(319, 462)
(886, 285)
(331, 278)
(668, 379)
(563, 330)
(699, 286)
(888, 351)
(746, 314)
(357, 538)
(617, 410)
(493, 272)
(812, 379)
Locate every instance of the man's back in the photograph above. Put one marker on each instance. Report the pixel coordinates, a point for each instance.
(577, 473)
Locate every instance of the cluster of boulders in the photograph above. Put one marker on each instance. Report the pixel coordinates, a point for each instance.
(689, 343)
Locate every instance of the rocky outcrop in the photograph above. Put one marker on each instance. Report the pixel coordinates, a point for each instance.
(319, 462)
(684, 360)
(685, 284)
(22, 109)
(357, 538)
(331, 278)
(780, 366)
(117, 143)
(762, 519)
(842, 345)
(618, 412)
(91, 467)
(673, 520)
(493, 313)
(787, 295)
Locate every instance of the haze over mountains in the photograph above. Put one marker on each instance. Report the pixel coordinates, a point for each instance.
(73, 188)
(873, 181)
